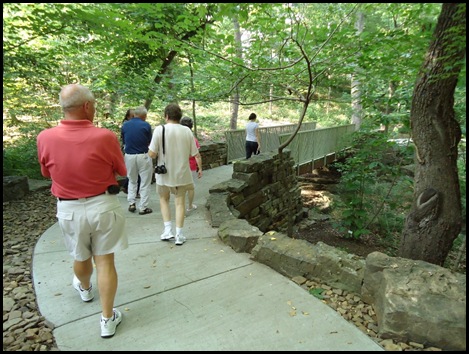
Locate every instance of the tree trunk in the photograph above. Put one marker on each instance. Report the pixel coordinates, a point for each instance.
(271, 100)
(435, 217)
(391, 90)
(357, 109)
(235, 96)
(164, 68)
(168, 60)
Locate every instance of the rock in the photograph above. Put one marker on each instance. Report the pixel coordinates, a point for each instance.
(15, 187)
(413, 299)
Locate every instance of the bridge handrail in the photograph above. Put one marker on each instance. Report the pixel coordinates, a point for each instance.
(236, 139)
(311, 145)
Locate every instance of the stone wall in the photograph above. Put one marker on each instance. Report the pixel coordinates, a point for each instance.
(264, 191)
(248, 208)
(213, 155)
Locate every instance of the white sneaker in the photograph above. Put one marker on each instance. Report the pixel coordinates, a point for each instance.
(108, 327)
(191, 209)
(180, 239)
(167, 235)
(86, 295)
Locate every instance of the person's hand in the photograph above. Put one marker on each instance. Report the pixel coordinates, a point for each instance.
(199, 173)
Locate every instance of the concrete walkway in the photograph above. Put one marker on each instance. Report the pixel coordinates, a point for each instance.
(199, 296)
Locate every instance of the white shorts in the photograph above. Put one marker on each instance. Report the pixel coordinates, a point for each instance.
(92, 226)
(177, 191)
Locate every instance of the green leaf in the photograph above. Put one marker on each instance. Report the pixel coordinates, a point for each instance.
(317, 292)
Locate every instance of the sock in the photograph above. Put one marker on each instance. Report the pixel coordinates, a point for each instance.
(83, 289)
(167, 226)
(178, 231)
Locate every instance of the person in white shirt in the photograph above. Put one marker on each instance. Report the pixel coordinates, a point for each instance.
(253, 140)
(179, 145)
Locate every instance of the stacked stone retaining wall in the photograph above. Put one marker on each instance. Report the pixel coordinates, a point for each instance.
(264, 191)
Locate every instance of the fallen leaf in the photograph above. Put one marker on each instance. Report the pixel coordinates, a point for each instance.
(317, 292)
(147, 286)
(272, 238)
(271, 233)
(292, 313)
(305, 313)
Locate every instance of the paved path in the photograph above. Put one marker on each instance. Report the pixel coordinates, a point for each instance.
(199, 296)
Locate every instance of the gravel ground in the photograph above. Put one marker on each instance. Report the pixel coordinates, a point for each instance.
(24, 221)
(24, 329)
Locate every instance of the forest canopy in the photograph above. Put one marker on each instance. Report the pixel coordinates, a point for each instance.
(131, 54)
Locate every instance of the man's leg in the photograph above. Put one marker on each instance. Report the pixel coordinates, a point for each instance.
(83, 270)
(132, 175)
(164, 193)
(190, 197)
(164, 203)
(144, 172)
(107, 282)
(180, 202)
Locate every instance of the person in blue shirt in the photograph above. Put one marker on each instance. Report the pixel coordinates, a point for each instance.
(136, 134)
(125, 186)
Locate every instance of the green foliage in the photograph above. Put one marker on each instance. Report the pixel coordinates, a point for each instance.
(20, 153)
(119, 49)
(113, 126)
(373, 188)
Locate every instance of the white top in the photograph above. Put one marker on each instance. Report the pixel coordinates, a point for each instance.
(179, 146)
(251, 131)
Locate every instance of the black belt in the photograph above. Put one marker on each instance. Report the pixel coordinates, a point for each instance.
(62, 199)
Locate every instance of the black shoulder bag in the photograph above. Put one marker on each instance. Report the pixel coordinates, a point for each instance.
(161, 169)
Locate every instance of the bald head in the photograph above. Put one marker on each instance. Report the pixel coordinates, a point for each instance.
(74, 95)
(77, 102)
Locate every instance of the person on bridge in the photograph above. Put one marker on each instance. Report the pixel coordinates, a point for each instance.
(253, 139)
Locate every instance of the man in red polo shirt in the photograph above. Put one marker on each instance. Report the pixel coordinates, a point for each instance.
(83, 162)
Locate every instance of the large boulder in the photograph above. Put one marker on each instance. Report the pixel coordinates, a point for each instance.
(416, 301)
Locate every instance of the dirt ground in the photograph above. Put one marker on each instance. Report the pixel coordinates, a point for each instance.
(324, 231)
